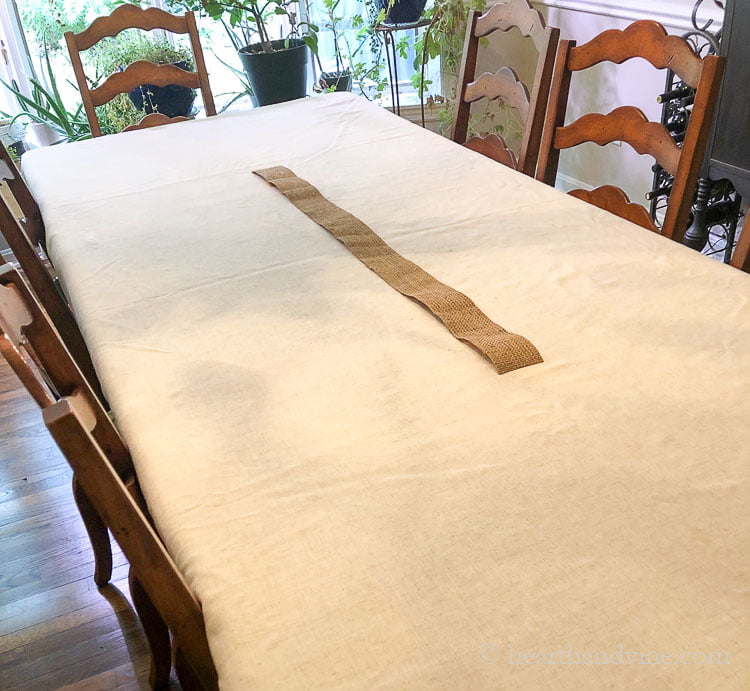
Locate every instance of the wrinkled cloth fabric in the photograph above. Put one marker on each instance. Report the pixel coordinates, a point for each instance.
(353, 494)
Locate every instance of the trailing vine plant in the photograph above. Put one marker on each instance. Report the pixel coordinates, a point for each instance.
(443, 38)
(369, 74)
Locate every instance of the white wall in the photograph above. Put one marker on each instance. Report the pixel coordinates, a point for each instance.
(604, 87)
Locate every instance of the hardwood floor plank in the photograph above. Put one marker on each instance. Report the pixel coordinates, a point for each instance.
(124, 677)
(51, 502)
(43, 532)
(57, 630)
(37, 573)
(76, 653)
(38, 482)
(57, 609)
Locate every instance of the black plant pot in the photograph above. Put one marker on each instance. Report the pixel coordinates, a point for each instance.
(338, 81)
(171, 100)
(403, 11)
(278, 76)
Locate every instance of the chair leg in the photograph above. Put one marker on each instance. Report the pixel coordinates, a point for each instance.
(156, 631)
(188, 679)
(97, 533)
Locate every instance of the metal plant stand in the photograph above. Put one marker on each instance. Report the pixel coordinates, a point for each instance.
(387, 31)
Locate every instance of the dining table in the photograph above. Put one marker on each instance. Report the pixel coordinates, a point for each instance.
(357, 498)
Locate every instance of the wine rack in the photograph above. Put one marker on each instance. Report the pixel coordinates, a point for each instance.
(716, 209)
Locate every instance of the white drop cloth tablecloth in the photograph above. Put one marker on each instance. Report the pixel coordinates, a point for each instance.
(357, 499)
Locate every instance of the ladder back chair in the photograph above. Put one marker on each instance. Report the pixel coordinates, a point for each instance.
(104, 484)
(504, 85)
(27, 331)
(141, 72)
(31, 216)
(25, 239)
(648, 40)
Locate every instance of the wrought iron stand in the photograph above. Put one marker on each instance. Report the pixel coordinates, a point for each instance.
(717, 203)
(387, 30)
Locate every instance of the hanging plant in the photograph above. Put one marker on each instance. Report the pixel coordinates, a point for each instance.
(443, 38)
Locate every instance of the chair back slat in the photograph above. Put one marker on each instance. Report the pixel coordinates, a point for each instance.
(14, 316)
(129, 16)
(615, 200)
(513, 14)
(648, 40)
(33, 384)
(645, 39)
(504, 84)
(493, 146)
(625, 124)
(142, 72)
(154, 120)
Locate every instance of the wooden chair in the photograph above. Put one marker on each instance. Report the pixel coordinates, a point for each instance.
(648, 40)
(25, 237)
(132, 17)
(504, 85)
(22, 322)
(31, 216)
(105, 486)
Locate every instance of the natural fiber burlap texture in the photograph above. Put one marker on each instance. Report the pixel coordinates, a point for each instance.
(506, 351)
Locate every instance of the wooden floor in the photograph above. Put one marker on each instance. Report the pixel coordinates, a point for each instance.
(57, 629)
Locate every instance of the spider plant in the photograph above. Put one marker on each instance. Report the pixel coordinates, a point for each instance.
(247, 89)
(45, 106)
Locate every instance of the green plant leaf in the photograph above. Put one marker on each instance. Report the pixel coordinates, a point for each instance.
(311, 41)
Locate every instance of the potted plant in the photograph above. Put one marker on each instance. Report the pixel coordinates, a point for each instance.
(45, 118)
(443, 37)
(362, 64)
(44, 115)
(115, 54)
(401, 11)
(276, 69)
(339, 79)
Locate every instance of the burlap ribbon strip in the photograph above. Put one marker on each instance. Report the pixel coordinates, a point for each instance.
(506, 351)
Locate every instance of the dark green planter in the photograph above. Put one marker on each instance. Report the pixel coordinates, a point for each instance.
(170, 100)
(278, 76)
(338, 81)
(402, 11)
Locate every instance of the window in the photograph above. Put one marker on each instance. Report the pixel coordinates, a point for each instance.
(341, 30)
(33, 48)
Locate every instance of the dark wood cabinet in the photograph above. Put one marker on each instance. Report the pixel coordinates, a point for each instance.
(717, 204)
(728, 153)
